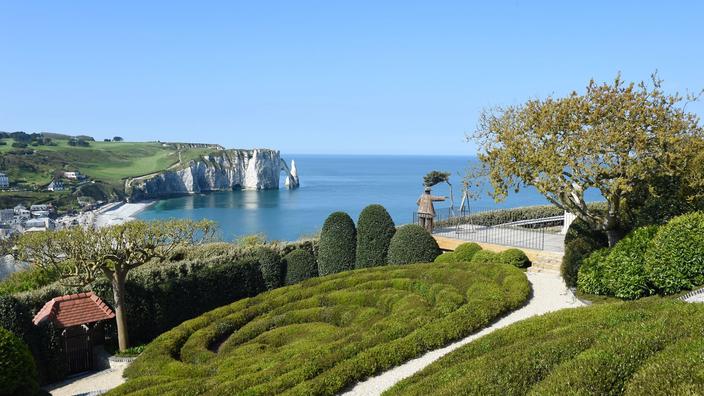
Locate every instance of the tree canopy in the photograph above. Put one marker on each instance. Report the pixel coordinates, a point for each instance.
(83, 254)
(614, 138)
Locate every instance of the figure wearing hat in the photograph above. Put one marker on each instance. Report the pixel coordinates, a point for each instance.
(426, 210)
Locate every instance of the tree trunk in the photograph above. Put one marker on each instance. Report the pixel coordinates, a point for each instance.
(118, 291)
(614, 236)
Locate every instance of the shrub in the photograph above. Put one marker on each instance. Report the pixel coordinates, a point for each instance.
(591, 278)
(675, 261)
(324, 334)
(30, 279)
(625, 274)
(447, 257)
(514, 257)
(375, 228)
(300, 265)
(466, 251)
(412, 244)
(485, 257)
(18, 375)
(14, 316)
(271, 267)
(575, 252)
(580, 241)
(338, 242)
(648, 347)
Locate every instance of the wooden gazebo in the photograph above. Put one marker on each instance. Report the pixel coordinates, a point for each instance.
(80, 318)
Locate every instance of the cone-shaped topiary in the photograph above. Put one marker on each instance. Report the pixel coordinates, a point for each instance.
(18, 374)
(270, 266)
(515, 257)
(375, 228)
(300, 265)
(338, 243)
(412, 244)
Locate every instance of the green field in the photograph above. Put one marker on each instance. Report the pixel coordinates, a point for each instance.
(649, 347)
(319, 336)
(106, 163)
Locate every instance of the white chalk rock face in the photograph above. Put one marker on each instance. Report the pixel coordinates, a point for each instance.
(257, 169)
(292, 178)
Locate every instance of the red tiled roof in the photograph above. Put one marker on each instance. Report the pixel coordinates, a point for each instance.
(74, 309)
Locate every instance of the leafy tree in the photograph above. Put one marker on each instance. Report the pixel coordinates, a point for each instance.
(86, 254)
(117, 139)
(613, 138)
(436, 177)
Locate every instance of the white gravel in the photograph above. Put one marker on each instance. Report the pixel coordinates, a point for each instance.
(93, 384)
(549, 294)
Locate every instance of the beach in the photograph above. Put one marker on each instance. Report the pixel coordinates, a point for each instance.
(119, 213)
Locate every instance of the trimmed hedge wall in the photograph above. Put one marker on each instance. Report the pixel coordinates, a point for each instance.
(648, 347)
(18, 375)
(324, 334)
(338, 243)
(580, 241)
(412, 244)
(300, 265)
(375, 228)
(271, 267)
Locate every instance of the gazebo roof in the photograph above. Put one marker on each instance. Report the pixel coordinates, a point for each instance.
(73, 310)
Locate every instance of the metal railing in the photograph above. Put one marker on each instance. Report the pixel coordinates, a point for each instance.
(495, 226)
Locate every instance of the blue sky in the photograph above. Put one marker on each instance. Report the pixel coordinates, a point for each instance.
(351, 77)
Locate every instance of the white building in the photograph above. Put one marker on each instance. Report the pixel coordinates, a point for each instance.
(55, 185)
(75, 175)
(4, 180)
(42, 224)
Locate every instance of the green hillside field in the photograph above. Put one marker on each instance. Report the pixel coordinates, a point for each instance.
(108, 164)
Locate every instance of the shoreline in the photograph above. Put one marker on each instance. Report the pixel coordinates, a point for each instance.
(121, 213)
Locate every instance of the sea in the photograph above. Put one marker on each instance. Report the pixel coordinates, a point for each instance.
(330, 183)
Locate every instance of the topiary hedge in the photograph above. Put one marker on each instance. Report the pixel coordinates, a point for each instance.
(580, 241)
(649, 347)
(485, 257)
(18, 375)
(514, 257)
(271, 267)
(591, 278)
(300, 265)
(412, 244)
(624, 272)
(338, 241)
(446, 257)
(324, 334)
(375, 228)
(675, 260)
(466, 251)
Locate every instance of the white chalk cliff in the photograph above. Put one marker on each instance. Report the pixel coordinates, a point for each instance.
(225, 170)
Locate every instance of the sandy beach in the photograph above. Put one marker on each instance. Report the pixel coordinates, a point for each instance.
(120, 213)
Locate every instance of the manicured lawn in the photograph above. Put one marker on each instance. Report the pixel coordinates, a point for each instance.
(319, 336)
(649, 347)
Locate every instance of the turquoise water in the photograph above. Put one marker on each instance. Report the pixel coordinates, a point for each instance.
(328, 184)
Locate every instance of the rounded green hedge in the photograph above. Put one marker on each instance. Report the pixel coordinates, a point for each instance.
(485, 257)
(466, 251)
(270, 266)
(18, 374)
(514, 257)
(324, 334)
(447, 257)
(675, 261)
(575, 252)
(338, 243)
(591, 279)
(300, 265)
(624, 271)
(375, 228)
(648, 347)
(412, 244)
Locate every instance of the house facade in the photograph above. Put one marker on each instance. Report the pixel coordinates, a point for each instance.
(4, 180)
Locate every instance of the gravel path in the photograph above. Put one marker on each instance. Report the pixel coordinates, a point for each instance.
(549, 294)
(93, 384)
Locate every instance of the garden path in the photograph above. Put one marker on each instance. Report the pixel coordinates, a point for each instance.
(549, 294)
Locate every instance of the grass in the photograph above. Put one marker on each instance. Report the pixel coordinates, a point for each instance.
(324, 334)
(653, 346)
